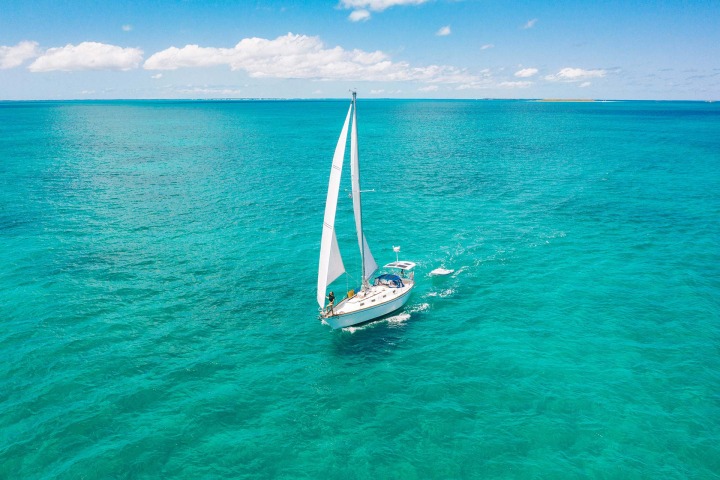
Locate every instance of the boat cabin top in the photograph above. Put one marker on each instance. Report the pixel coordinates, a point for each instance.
(401, 265)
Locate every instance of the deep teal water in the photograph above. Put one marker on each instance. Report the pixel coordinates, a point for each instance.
(157, 270)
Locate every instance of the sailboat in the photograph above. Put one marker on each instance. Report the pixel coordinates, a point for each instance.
(387, 292)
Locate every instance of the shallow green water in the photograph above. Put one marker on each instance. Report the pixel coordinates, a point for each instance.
(159, 261)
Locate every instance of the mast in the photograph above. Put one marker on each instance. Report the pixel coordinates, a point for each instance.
(369, 266)
(355, 151)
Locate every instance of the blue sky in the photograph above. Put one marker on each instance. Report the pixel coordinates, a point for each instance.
(385, 48)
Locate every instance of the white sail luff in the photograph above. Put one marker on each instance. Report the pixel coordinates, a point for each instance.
(369, 264)
(331, 264)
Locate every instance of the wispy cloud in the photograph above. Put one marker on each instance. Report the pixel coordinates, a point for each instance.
(429, 88)
(523, 84)
(14, 56)
(585, 84)
(486, 46)
(482, 81)
(205, 91)
(127, 27)
(362, 8)
(487, 81)
(87, 56)
(156, 76)
(526, 72)
(569, 74)
(300, 56)
(378, 5)
(359, 16)
(444, 31)
(530, 23)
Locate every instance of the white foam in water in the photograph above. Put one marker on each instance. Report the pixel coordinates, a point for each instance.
(395, 319)
(441, 271)
(400, 318)
(441, 294)
(420, 308)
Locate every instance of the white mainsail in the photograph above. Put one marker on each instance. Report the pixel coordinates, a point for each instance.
(331, 264)
(369, 264)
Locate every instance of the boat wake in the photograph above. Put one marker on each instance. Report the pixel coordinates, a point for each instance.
(441, 271)
(397, 319)
(422, 307)
(442, 294)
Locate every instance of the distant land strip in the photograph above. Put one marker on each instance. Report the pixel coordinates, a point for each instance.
(566, 100)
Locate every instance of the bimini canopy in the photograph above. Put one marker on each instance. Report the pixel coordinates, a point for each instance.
(401, 265)
(390, 280)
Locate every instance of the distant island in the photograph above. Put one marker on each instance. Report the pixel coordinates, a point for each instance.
(566, 100)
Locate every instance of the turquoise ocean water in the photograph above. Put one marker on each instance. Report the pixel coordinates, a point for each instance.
(158, 263)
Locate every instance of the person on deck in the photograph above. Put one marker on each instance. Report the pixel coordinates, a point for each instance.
(331, 302)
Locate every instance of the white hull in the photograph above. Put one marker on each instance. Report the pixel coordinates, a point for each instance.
(369, 305)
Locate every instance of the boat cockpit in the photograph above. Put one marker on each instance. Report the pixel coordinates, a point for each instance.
(389, 280)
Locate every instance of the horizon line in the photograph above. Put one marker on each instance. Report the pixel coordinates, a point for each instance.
(227, 99)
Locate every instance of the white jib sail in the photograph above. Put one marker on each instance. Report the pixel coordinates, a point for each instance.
(369, 265)
(331, 264)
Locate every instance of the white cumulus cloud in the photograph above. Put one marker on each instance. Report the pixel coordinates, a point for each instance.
(444, 31)
(301, 56)
(11, 57)
(569, 74)
(87, 56)
(526, 72)
(530, 23)
(359, 16)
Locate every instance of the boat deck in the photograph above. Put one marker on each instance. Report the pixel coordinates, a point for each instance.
(374, 296)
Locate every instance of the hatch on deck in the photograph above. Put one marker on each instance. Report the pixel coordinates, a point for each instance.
(401, 265)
